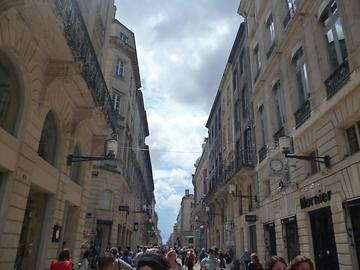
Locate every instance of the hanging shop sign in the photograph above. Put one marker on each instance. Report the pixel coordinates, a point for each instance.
(315, 200)
(250, 218)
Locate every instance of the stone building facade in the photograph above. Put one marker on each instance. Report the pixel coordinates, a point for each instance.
(302, 75)
(53, 102)
(121, 210)
(305, 57)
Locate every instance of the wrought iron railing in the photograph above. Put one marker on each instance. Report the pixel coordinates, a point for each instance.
(79, 41)
(303, 114)
(337, 79)
(262, 153)
(279, 133)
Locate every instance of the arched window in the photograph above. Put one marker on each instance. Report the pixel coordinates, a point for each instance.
(75, 172)
(105, 200)
(9, 94)
(48, 140)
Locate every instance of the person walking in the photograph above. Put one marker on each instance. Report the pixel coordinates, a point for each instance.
(126, 258)
(245, 259)
(211, 262)
(171, 258)
(301, 263)
(85, 261)
(152, 261)
(105, 262)
(276, 263)
(255, 263)
(228, 259)
(63, 262)
(190, 259)
(221, 259)
(202, 255)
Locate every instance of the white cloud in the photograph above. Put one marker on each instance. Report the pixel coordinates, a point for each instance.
(182, 50)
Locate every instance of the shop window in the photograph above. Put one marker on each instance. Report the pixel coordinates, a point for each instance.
(291, 237)
(48, 140)
(75, 171)
(9, 95)
(105, 200)
(353, 138)
(334, 34)
(252, 238)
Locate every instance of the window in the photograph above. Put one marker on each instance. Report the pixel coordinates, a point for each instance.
(76, 166)
(245, 101)
(279, 105)
(237, 115)
(116, 101)
(9, 95)
(270, 26)
(291, 7)
(301, 76)
(257, 62)
(314, 166)
(262, 125)
(240, 204)
(234, 79)
(247, 146)
(242, 62)
(334, 35)
(353, 138)
(267, 189)
(291, 237)
(105, 200)
(250, 199)
(48, 140)
(119, 68)
(123, 37)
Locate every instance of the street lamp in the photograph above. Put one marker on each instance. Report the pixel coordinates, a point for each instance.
(285, 144)
(111, 152)
(232, 191)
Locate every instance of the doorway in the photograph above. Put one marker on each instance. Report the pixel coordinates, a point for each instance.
(270, 240)
(355, 222)
(72, 214)
(324, 243)
(103, 233)
(31, 232)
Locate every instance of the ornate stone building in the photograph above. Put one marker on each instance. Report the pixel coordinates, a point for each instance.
(121, 209)
(305, 60)
(53, 102)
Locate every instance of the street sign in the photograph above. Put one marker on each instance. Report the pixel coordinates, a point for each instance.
(250, 218)
(123, 208)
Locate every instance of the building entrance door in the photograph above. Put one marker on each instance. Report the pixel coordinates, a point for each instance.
(355, 222)
(324, 239)
(103, 232)
(31, 232)
(270, 239)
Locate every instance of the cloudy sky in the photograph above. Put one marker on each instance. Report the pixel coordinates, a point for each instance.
(182, 48)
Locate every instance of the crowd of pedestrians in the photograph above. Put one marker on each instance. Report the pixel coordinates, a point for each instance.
(164, 258)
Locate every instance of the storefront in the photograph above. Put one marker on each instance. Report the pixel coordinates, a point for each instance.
(290, 237)
(28, 252)
(323, 239)
(270, 239)
(103, 233)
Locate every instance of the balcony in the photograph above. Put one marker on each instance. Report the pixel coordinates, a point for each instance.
(278, 134)
(302, 114)
(79, 41)
(262, 153)
(337, 79)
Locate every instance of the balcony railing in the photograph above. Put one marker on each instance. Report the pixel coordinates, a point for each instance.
(79, 41)
(337, 79)
(279, 133)
(302, 114)
(262, 153)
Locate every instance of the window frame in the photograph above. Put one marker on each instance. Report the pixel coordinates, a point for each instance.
(119, 68)
(279, 104)
(329, 24)
(351, 147)
(271, 34)
(116, 99)
(301, 73)
(257, 59)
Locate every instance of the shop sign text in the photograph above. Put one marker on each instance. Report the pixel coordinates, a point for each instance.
(317, 199)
